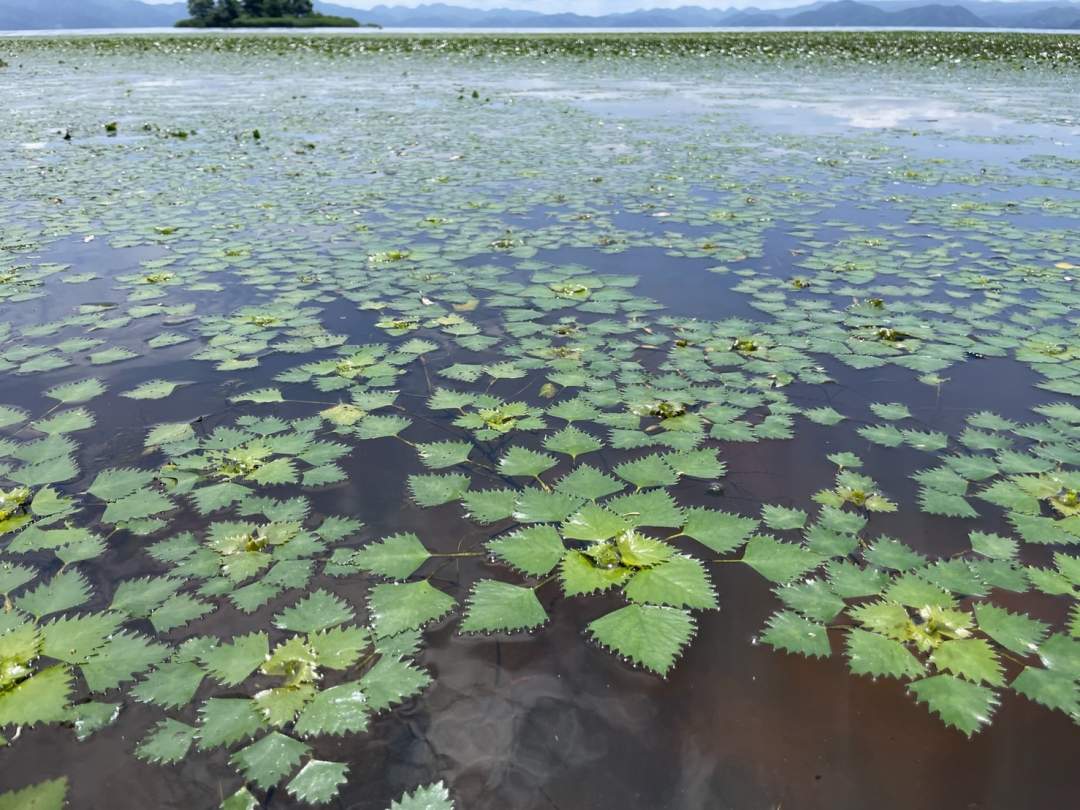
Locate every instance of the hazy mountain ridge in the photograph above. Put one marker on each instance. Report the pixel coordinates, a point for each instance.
(911, 13)
(54, 14)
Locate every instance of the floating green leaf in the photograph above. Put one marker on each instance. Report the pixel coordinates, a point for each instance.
(270, 759)
(795, 634)
(649, 635)
(396, 557)
(395, 607)
(498, 606)
(779, 562)
(960, 704)
(428, 797)
(317, 611)
(877, 656)
(318, 781)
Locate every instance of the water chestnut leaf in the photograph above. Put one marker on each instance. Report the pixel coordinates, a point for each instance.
(519, 461)
(379, 426)
(1052, 689)
(679, 582)
(76, 393)
(1061, 654)
(887, 552)
(318, 781)
(534, 550)
(581, 575)
(697, 464)
(138, 597)
(721, 532)
(935, 502)
(651, 636)
(795, 634)
(41, 698)
(435, 490)
(891, 411)
(319, 610)
(779, 562)
(232, 662)
(812, 598)
(428, 797)
(169, 433)
(396, 607)
(396, 557)
(48, 795)
(993, 545)
(878, 656)
(261, 396)
(438, 455)
(141, 504)
(884, 435)
(224, 721)
(68, 421)
(74, 638)
(824, 416)
(243, 799)
(655, 508)
(594, 522)
(391, 681)
(66, 590)
(647, 472)
(489, 505)
(573, 442)
(171, 685)
(120, 659)
(269, 760)
(500, 607)
(960, 704)
(970, 658)
(588, 483)
(153, 389)
(337, 710)
(539, 506)
(10, 415)
(782, 518)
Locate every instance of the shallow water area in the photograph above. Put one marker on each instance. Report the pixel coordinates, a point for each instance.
(623, 422)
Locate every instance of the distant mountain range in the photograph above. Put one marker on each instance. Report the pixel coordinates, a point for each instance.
(1059, 14)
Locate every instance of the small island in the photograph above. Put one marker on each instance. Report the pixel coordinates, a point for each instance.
(260, 14)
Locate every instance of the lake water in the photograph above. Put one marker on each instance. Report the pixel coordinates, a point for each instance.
(802, 329)
(473, 31)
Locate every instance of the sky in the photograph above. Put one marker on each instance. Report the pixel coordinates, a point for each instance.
(577, 6)
(582, 6)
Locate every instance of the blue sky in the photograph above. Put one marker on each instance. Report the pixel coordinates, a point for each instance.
(578, 6)
(585, 6)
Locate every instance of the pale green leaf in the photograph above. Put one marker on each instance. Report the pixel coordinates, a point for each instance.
(318, 782)
(649, 635)
(396, 607)
(499, 606)
(963, 705)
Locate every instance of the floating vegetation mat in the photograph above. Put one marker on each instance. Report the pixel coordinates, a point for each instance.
(557, 422)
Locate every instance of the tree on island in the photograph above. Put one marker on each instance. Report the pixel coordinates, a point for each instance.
(225, 12)
(260, 14)
(277, 8)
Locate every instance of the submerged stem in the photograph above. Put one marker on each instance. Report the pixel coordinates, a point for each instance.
(544, 582)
